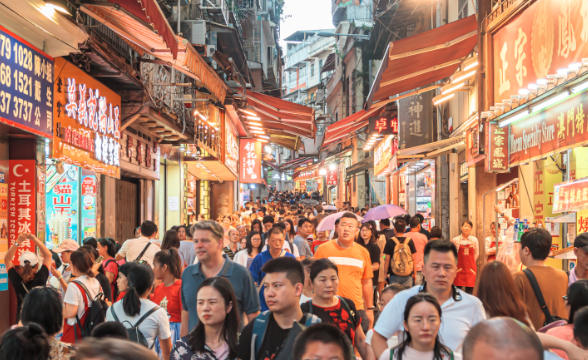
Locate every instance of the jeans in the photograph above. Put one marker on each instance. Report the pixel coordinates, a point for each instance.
(403, 280)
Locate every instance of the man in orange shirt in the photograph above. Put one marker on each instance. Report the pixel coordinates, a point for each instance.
(354, 265)
(420, 241)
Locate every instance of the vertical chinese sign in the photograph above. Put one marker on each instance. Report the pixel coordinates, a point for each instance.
(26, 85)
(62, 204)
(89, 193)
(250, 167)
(21, 204)
(497, 158)
(86, 121)
(3, 231)
(332, 177)
(415, 115)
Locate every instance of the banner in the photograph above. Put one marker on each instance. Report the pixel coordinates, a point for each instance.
(89, 193)
(26, 85)
(62, 205)
(86, 121)
(547, 36)
(3, 232)
(383, 155)
(415, 115)
(21, 204)
(332, 177)
(571, 196)
(497, 157)
(250, 167)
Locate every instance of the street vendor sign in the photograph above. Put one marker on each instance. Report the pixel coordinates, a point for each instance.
(570, 196)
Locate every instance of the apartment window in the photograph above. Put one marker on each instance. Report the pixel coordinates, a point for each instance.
(312, 69)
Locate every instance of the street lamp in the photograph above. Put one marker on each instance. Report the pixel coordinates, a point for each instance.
(332, 166)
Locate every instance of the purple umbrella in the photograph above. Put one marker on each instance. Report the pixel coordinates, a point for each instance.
(328, 223)
(384, 212)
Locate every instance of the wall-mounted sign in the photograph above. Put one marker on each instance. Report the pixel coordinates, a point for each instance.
(415, 115)
(332, 177)
(570, 196)
(384, 125)
(86, 121)
(231, 148)
(497, 157)
(139, 156)
(26, 85)
(547, 36)
(250, 167)
(554, 129)
(383, 155)
(88, 205)
(21, 204)
(62, 205)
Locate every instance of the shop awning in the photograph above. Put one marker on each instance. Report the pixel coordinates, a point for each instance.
(431, 149)
(338, 131)
(282, 115)
(288, 141)
(360, 166)
(295, 162)
(424, 58)
(212, 170)
(138, 23)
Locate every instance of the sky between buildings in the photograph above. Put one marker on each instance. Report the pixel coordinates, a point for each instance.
(305, 15)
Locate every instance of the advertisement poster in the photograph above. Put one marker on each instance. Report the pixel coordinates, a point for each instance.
(21, 204)
(3, 233)
(250, 169)
(88, 205)
(62, 201)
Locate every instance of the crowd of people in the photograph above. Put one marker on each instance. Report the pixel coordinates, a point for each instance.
(264, 283)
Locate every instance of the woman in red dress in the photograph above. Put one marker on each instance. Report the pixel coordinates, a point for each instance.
(467, 255)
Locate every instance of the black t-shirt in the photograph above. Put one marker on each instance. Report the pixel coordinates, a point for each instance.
(22, 289)
(390, 245)
(337, 315)
(272, 343)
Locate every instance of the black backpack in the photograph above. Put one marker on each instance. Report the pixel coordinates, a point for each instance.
(95, 310)
(135, 335)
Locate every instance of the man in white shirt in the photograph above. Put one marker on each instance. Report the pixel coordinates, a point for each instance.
(460, 311)
(142, 248)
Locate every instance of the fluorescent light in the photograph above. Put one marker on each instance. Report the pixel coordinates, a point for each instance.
(254, 123)
(439, 100)
(250, 117)
(261, 132)
(262, 137)
(332, 166)
(323, 172)
(452, 88)
(464, 76)
(581, 87)
(248, 112)
(513, 118)
(549, 101)
(256, 127)
(471, 65)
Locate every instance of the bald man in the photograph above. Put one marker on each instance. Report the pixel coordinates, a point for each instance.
(502, 338)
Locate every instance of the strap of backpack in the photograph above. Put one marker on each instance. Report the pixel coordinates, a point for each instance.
(396, 241)
(538, 294)
(151, 311)
(142, 252)
(259, 327)
(347, 308)
(85, 296)
(109, 261)
(391, 354)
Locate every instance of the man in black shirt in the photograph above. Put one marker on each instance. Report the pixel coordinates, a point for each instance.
(271, 334)
(399, 226)
(385, 229)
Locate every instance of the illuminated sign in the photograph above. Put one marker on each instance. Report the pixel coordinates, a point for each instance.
(21, 204)
(86, 121)
(384, 125)
(570, 196)
(250, 159)
(497, 158)
(26, 85)
(383, 155)
(231, 148)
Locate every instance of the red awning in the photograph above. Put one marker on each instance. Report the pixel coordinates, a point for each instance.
(345, 127)
(424, 58)
(282, 115)
(295, 162)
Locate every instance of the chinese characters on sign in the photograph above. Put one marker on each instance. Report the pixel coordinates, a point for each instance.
(384, 125)
(62, 204)
(332, 176)
(383, 155)
(497, 159)
(250, 159)
(231, 148)
(570, 196)
(415, 117)
(139, 156)
(26, 85)
(86, 121)
(89, 184)
(21, 204)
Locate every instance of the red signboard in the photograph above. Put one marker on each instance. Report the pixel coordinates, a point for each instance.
(21, 204)
(554, 129)
(497, 159)
(384, 125)
(547, 36)
(332, 177)
(250, 169)
(570, 196)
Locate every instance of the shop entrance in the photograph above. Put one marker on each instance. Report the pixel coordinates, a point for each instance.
(127, 208)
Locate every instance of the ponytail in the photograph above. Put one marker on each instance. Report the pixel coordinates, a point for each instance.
(132, 302)
(140, 279)
(171, 258)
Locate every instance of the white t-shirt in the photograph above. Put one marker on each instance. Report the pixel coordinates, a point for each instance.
(73, 295)
(131, 249)
(156, 325)
(412, 354)
(457, 318)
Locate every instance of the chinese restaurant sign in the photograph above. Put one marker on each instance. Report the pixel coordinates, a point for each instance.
(139, 156)
(554, 129)
(86, 121)
(250, 172)
(570, 196)
(332, 176)
(21, 204)
(415, 114)
(497, 159)
(383, 155)
(26, 85)
(231, 148)
(545, 37)
(384, 125)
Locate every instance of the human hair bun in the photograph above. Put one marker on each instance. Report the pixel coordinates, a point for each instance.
(33, 330)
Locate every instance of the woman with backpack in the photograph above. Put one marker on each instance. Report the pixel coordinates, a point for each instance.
(167, 269)
(79, 295)
(334, 309)
(144, 320)
(107, 249)
(215, 336)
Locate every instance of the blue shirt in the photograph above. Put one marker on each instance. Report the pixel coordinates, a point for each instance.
(258, 275)
(237, 275)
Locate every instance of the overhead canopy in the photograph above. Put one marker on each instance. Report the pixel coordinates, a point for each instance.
(282, 115)
(294, 163)
(424, 58)
(338, 131)
(288, 141)
(212, 170)
(431, 149)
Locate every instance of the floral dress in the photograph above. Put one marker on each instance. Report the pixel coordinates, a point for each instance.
(183, 351)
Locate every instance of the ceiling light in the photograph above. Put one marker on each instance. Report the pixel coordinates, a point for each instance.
(262, 137)
(548, 102)
(462, 77)
(452, 88)
(441, 99)
(255, 123)
(248, 112)
(581, 87)
(332, 166)
(471, 65)
(513, 118)
(250, 117)
(261, 132)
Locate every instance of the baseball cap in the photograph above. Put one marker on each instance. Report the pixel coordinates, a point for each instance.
(581, 241)
(29, 257)
(67, 245)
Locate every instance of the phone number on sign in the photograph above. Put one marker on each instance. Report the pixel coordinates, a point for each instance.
(21, 109)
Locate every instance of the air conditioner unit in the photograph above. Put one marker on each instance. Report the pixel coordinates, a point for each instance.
(195, 31)
(210, 50)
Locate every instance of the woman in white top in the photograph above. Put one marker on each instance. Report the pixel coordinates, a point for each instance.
(135, 308)
(78, 295)
(253, 247)
(422, 320)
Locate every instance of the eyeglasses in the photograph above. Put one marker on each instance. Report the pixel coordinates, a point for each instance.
(565, 298)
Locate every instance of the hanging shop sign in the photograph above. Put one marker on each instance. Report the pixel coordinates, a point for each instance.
(86, 122)
(415, 114)
(89, 204)
(21, 204)
(250, 151)
(497, 159)
(384, 125)
(554, 129)
(306, 174)
(474, 139)
(383, 155)
(62, 204)
(139, 156)
(26, 85)
(332, 177)
(231, 148)
(547, 36)
(570, 196)
(3, 231)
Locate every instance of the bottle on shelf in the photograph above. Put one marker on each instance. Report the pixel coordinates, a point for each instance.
(515, 232)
